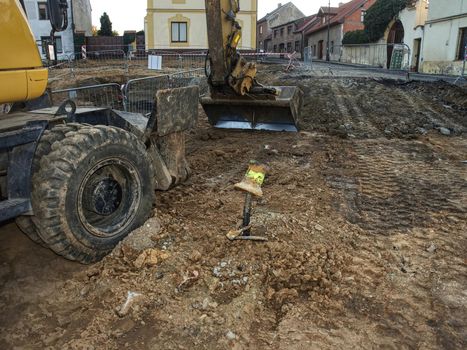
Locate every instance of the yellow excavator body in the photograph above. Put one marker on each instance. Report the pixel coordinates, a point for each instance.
(22, 76)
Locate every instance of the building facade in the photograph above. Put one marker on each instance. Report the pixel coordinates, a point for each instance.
(288, 37)
(445, 37)
(283, 14)
(79, 25)
(409, 28)
(340, 20)
(181, 24)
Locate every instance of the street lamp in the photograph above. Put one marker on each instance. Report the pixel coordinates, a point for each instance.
(328, 58)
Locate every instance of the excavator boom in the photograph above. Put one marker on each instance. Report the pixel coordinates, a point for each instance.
(236, 99)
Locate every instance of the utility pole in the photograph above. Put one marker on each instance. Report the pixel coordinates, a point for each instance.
(328, 57)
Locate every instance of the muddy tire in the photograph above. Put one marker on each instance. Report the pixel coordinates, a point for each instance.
(95, 187)
(44, 146)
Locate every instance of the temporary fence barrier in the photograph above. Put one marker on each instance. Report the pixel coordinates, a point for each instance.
(102, 95)
(139, 93)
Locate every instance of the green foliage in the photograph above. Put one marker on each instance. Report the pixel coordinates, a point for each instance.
(106, 26)
(379, 16)
(355, 37)
(141, 32)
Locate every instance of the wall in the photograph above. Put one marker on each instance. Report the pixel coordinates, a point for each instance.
(354, 20)
(82, 16)
(413, 20)
(445, 8)
(42, 28)
(160, 13)
(442, 36)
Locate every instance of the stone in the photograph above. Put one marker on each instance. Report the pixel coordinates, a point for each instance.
(150, 258)
(431, 249)
(231, 335)
(445, 131)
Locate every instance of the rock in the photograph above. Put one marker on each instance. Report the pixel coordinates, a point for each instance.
(431, 249)
(231, 335)
(195, 256)
(131, 299)
(318, 227)
(140, 239)
(150, 258)
(219, 153)
(445, 131)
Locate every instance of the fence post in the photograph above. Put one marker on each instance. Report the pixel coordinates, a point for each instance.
(83, 52)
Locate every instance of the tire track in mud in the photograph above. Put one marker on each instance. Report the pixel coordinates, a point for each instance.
(400, 189)
(418, 105)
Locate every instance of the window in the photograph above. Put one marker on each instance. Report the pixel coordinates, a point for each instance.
(362, 18)
(261, 29)
(289, 29)
(462, 44)
(260, 44)
(43, 14)
(275, 33)
(45, 41)
(297, 46)
(275, 48)
(179, 32)
(289, 47)
(332, 47)
(282, 31)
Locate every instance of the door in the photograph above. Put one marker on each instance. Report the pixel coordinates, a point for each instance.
(320, 49)
(417, 45)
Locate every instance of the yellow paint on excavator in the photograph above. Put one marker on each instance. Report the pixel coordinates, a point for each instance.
(22, 76)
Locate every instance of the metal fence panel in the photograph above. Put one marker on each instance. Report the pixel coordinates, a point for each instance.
(103, 95)
(139, 94)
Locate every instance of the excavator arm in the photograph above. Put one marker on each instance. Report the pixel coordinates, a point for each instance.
(228, 67)
(236, 99)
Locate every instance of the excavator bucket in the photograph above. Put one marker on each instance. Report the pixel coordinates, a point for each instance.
(253, 113)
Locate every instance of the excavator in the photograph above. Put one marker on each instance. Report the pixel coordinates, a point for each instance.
(77, 180)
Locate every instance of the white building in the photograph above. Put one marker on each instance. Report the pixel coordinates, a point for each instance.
(445, 37)
(79, 24)
(413, 19)
(181, 24)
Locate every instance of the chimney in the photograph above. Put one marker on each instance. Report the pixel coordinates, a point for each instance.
(279, 5)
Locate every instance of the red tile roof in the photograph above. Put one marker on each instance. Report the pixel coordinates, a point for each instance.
(307, 22)
(342, 12)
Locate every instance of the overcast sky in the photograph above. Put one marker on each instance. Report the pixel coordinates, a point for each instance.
(129, 14)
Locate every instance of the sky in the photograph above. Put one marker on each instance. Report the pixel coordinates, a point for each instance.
(129, 14)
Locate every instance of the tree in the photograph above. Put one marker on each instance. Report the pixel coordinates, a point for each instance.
(106, 25)
(355, 37)
(379, 16)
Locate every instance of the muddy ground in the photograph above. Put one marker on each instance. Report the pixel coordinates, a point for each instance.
(366, 215)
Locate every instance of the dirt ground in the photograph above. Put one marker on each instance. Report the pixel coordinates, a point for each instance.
(365, 211)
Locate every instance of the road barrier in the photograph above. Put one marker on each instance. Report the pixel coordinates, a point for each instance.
(136, 96)
(139, 94)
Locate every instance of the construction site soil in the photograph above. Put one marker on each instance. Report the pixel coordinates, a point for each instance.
(365, 211)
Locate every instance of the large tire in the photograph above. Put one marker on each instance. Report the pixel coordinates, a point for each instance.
(95, 187)
(44, 146)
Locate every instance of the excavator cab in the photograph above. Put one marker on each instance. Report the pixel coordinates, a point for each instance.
(236, 100)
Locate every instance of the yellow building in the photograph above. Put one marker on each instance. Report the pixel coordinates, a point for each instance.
(181, 24)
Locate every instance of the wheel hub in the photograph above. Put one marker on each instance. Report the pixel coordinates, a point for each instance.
(105, 196)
